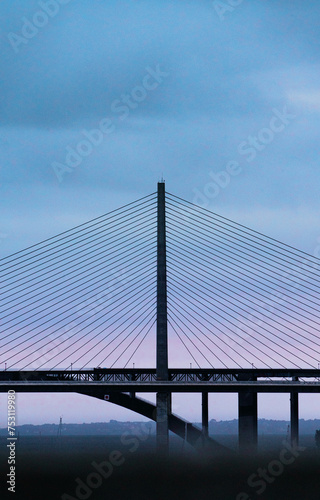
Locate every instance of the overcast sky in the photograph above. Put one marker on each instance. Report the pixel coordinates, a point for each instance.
(99, 99)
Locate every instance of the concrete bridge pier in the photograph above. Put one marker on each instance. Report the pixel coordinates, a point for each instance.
(248, 420)
(294, 415)
(163, 412)
(205, 415)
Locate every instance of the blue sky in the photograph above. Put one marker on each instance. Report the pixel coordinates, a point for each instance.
(171, 88)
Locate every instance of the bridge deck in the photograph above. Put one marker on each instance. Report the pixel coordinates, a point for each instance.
(149, 374)
(145, 380)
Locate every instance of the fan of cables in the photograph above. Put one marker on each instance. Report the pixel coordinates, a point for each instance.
(238, 298)
(85, 297)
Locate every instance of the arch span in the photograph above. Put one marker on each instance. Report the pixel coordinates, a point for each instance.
(177, 425)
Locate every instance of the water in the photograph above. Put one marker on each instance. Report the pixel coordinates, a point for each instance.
(126, 467)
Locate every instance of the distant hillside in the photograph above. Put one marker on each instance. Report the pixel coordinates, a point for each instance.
(264, 426)
(114, 427)
(111, 428)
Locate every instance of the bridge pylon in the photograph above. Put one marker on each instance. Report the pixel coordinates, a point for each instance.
(163, 398)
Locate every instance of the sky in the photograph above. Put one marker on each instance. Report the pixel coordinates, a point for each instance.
(101, 99)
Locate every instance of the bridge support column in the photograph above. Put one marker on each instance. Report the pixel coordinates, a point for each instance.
(294, 416)
(163, 398)
(163, 411)
(205, 415)
(248, 421)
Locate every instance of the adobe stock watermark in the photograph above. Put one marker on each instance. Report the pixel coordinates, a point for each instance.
(31, 27)
(223, 8)
(121, 107)
(11, 441)
(269, 304)
(249, 149)
(53, 348)
(86, 310)
(103, 470)
(90, 308)
(260, 480)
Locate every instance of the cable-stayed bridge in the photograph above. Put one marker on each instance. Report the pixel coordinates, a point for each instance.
(164, 284)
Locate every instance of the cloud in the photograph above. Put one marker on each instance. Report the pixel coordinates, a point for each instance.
(87, 57)
(224, 80)
(308, 99)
